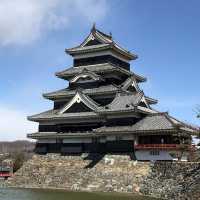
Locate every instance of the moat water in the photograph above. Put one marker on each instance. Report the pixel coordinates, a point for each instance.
(37, 194)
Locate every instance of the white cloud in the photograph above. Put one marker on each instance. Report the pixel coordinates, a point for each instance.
(24, 21)
(14, 125)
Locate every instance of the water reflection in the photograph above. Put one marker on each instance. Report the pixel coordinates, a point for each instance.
(35, 194)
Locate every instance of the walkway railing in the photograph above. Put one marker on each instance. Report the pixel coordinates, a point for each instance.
(163, 146)
(5, 175)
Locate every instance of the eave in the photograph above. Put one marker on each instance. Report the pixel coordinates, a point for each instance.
(60, 94)
(67, 116)
(151, 100)
(100, 47)
(55, 135)
(106, 42)
(105, 68)
(100, 115)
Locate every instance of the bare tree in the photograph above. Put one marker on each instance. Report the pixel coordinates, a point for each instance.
(197, 111)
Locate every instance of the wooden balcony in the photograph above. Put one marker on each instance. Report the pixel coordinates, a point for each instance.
(162, 146)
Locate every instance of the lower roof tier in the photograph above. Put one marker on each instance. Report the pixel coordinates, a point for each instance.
(160, 123)
(55, 135)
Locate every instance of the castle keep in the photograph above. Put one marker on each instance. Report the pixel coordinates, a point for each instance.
(103, 110)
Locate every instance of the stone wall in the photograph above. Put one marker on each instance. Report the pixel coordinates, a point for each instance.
(110, 173)
(173, 180)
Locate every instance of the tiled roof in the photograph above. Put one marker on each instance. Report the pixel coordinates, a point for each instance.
(123, 102)
(53, 114)
(151, 100)
(154, 122)
(44, 135)
(106, 36)
(46, 114)
(87, 48)
(130, 81)
(151, 124)
(99, 47)
(146, 110)
(107, 89)
(105, 42)
(98, 68)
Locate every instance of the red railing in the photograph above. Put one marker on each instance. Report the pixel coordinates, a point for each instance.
(5, 175)
(157, 146)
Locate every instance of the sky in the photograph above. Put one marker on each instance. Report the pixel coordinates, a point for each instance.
(34, 34)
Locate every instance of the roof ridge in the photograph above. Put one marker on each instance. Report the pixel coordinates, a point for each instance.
(112, 42)
(184, 124)
(104, 34)
(157, 113)
(141, 93)
(87, 47)
(79, 91)
(91, 100)
(93, 31)
(121, 93)
(173, 123)
(151, 98)
(166, 115)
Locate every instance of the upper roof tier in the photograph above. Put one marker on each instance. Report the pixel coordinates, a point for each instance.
(124, 102)
(98, 41)
(99, 69)
(99, 90)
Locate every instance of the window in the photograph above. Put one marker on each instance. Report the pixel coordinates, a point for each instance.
(154, 153)
(95, 140)
(118, 138)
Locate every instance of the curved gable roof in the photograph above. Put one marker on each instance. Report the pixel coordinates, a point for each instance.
(86, 73)
(80, 97)
(105, 41)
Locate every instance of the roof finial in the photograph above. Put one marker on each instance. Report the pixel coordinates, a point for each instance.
(111, 34)
(93, 27)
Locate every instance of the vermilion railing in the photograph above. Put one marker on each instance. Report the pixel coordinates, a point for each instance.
(158, 146)
(5, 174)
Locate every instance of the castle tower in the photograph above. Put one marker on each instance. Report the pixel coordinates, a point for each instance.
(103, 110)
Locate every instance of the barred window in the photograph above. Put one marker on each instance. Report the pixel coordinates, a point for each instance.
(154, 152)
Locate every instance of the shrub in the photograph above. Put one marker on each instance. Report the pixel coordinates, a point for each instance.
(18, 160)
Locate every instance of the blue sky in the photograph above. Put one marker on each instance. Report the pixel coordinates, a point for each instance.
(34, 34)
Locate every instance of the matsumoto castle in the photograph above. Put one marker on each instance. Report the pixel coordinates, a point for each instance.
(103, 110)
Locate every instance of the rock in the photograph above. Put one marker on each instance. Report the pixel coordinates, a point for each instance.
(75, 187)
(129, 188)
(109, 161)
(109, 188)
(92, 187)
(135, 188)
